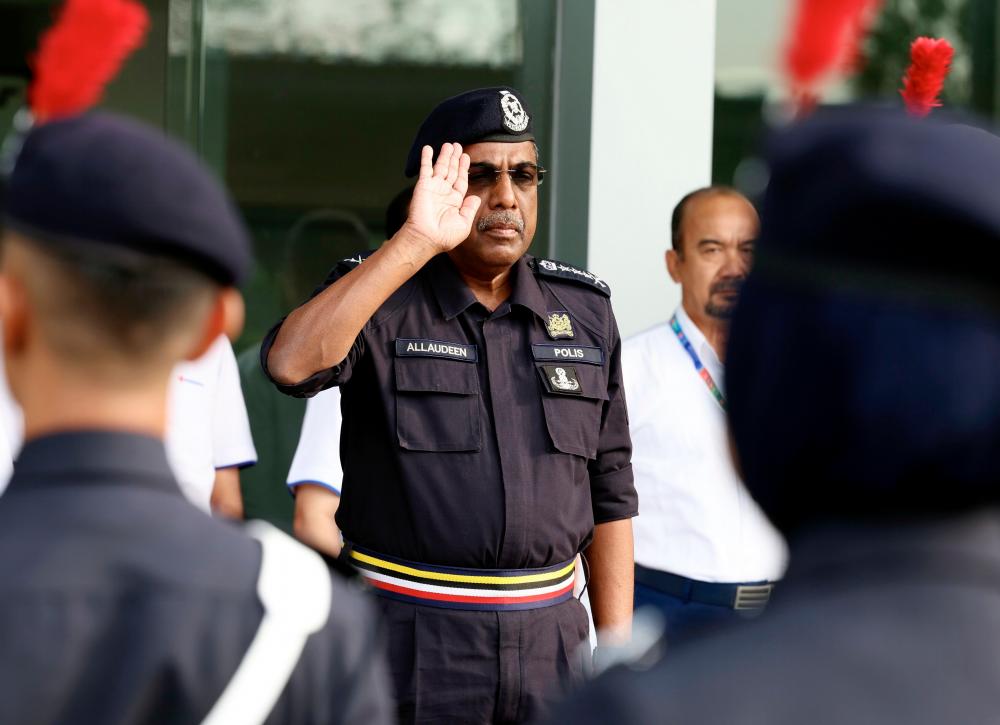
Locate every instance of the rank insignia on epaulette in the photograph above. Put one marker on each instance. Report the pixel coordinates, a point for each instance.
(551, 268)
(558, 325)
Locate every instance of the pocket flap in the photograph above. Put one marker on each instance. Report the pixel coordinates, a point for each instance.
(436, 375)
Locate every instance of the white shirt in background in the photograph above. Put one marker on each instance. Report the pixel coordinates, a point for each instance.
(207, 423)
(696, 518)
(317, 457)
(11, 428)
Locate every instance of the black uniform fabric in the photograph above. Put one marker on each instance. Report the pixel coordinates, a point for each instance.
(453, 666)
(472, 461)
(872, 625)
(456, 452)
(120, 602)
(118, 182)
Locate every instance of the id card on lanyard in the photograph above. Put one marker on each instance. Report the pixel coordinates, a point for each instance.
(698, 365)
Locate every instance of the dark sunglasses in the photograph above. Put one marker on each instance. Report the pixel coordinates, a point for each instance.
(523, 176)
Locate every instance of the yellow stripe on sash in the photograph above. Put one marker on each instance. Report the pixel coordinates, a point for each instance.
(465, 578)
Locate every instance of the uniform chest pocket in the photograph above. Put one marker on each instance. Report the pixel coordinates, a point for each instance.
(437, 404)
(573, 398)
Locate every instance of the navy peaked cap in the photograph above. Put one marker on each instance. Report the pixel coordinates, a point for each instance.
(102, 178)
(485, 114)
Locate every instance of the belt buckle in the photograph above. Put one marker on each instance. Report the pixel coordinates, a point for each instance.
(752, 596)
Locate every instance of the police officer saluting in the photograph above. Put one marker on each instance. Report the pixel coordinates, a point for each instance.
(485, 440)
(120, 602)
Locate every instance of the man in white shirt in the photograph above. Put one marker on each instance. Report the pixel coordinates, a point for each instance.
(315, 476)
(208, 431)
(705, 553)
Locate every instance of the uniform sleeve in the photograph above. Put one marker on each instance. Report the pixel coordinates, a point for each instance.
(319, 381)
(612, 490)
(317, 457)
(232, 443)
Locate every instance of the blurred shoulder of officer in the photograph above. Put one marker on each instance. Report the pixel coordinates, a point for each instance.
(119, 601)
(315, 475)
(484, 431)
(208, 430)
(705, 554)
(864, 391)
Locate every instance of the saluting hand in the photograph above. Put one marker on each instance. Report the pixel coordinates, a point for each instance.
(440, 212)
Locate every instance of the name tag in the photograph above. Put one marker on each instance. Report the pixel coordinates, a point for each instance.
(567, 353)
(436, 348)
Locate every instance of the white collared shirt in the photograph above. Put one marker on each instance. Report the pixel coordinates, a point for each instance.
(696, 518)
(207, 423)
(317, 457)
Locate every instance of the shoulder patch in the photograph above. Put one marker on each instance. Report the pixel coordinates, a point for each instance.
(561, 270)
(352, 262)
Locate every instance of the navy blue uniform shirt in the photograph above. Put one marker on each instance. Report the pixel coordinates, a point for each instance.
(120, 602)
(479, 439)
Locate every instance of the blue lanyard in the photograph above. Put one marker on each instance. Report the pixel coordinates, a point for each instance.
(698, 366)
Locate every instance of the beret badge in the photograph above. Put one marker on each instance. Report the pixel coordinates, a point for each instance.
(514, 116)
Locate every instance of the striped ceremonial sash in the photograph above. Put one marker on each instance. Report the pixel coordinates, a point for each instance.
(490, 590)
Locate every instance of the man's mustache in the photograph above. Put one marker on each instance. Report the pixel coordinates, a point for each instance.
(502, 218)
(727, 285)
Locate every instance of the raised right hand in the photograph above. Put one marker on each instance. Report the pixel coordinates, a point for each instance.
(440, 213)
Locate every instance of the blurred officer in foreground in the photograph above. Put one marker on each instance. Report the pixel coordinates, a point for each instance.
(705, 554)
(864, 390)
(485, 440)
(120, 602)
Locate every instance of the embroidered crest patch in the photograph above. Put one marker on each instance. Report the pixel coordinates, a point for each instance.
(558, 325)
(562, 379)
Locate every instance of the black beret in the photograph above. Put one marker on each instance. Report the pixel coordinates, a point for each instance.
(102, 178)
(879, 191)
(861, 367)
(485, 114)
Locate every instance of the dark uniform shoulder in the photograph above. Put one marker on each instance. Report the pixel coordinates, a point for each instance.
(561, 272)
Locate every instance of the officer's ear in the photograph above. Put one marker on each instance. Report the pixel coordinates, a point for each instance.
(14, 307)
(225, 316)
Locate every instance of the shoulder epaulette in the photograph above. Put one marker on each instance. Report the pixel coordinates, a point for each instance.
(561, 270)
(352, 262)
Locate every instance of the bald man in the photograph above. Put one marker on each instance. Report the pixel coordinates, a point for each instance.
(705, 554)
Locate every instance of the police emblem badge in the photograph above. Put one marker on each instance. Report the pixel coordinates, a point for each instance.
(563, 380)
(558, 325)
(514, 116)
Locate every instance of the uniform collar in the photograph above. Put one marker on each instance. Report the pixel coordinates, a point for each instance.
(65, 457)
(454, 296)
(527, 292)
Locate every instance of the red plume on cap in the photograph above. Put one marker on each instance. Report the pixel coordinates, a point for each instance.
(82, 52)
(930, 60)
(824, 34)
